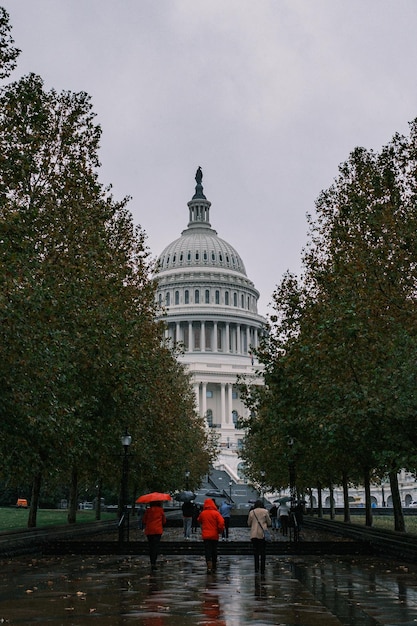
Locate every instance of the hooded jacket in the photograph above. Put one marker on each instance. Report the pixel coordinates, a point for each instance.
(211, 521)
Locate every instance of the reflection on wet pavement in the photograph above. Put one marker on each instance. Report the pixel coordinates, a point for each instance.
(303, 591)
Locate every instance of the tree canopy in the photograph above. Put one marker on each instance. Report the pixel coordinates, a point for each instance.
(82, 355)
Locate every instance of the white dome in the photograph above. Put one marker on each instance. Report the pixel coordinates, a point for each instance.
(200, 247)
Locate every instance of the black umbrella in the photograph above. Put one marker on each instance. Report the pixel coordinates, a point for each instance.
(185, 496)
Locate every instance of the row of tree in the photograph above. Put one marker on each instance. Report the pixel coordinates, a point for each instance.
(340, 395)
(81, 355)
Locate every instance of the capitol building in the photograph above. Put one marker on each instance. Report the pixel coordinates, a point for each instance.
(210, 308)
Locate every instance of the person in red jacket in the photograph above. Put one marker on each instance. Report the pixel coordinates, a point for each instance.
(154, 520)
(212, 524)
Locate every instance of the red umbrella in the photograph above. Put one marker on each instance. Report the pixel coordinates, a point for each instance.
(155, 496)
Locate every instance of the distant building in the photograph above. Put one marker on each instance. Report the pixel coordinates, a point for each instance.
(211, 308)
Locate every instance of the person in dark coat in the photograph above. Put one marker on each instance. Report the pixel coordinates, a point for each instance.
(187, 518)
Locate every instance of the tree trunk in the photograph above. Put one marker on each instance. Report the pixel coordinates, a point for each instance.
(332, 511)
(34, 501)
(319, 502)
(310, 498)
(98, 500)
(368, 507)
(72, 505)
(399, 522)
(346, 509)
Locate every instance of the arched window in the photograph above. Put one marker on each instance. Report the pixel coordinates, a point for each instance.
(177, 297)
(207, 296)
(226, 298)
(196, 297)
(189, 256)
(217, 296)
(242, 300)
(167, 298)
(186, 297)
(235, 299)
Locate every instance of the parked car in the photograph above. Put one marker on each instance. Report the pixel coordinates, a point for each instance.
(413, 505)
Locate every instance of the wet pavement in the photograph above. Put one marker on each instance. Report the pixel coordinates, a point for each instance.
(112, 590)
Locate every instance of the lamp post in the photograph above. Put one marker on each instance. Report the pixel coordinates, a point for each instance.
(126, 440)
(187, 480)
(262, 473)
(291, 469)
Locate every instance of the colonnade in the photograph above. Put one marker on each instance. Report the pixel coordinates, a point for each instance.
(214, 336)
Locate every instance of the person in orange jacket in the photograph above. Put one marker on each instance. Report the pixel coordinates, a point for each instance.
(154, 521)
(212, 524)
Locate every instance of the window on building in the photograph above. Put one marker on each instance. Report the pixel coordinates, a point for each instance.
(197, 338)
(235, 395)
(167, 298)
(242, 301)
(189, 256)
(207, 296)
(235, 299)
(209, 336)
(182, 256)
(213, 256)
(186, 297)
(197, 255)
(177, 297)
(197, 297)
(219, 338)
(205, 256)
(209, 418)
(226, 298)
(217, 296)
(209, 393)
(235, 417)
(160, 298)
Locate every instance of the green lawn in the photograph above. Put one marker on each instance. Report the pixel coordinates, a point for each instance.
(385, 522)
(14, 519)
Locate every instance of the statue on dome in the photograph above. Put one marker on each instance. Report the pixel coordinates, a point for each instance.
(199, 176)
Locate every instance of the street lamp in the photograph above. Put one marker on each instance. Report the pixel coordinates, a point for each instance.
(187, 480)
(291, 469)
(126, 440)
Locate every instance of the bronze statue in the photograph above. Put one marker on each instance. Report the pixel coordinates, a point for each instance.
(199, 176)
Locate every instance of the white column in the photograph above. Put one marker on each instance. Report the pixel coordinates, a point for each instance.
(214, 338)
(203, 337)
(238, 340)
(190, 337)
(227, 346)
(204, 399)
(197, 396)
(229, 402)
(248, 338)
(177, 332)
(223, 403)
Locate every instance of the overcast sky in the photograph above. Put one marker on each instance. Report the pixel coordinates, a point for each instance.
(267, 96)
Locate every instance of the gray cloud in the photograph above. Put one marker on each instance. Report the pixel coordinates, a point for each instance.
(268, 97)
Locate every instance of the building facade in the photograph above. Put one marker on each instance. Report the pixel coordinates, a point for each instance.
(211, 310)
